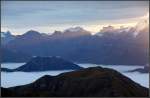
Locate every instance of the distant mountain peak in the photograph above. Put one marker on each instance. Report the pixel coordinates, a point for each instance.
(6, 37)
(57, 32)
(74, 29)
(111, 29)
(5, 34)
(76, 32)
(8, 32)
(32, 33)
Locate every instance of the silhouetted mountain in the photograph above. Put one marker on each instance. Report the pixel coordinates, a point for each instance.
(94, 82)
(70, 33)
(30, 36)
(45, 64)
(6, 37)
(141, 70)
(76, 32)
(146, 69)
(116, 47)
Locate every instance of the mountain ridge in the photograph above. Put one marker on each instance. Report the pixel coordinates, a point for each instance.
(37, 64)
(123, 48)
(94, 81)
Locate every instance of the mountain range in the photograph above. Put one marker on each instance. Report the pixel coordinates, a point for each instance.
(124, 46)
(94, 81)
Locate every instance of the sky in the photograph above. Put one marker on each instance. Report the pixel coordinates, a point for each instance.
(47, 16)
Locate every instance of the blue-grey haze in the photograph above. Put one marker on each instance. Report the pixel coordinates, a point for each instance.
(19, 16)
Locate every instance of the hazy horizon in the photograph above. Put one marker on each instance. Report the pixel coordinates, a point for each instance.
(48, 16)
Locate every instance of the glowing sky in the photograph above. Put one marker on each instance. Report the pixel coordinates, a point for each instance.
(47, 16)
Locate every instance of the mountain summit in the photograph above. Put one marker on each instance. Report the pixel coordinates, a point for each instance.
(46, 64)
(76, 32)
(6, 37)
(95, 82)
(32, 33)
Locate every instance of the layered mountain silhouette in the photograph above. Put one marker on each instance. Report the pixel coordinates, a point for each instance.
(124, 46)
(94, 81)
(146, 69)
(6, 37)
(45, 64)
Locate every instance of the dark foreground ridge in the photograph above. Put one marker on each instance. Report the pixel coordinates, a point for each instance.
(94, 81)
(45, 64)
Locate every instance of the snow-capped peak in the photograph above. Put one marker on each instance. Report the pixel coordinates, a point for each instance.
(75, 32)
(74, 29)
(5, 34)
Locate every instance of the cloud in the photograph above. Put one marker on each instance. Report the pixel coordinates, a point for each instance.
(32, 14)
(141, 27)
